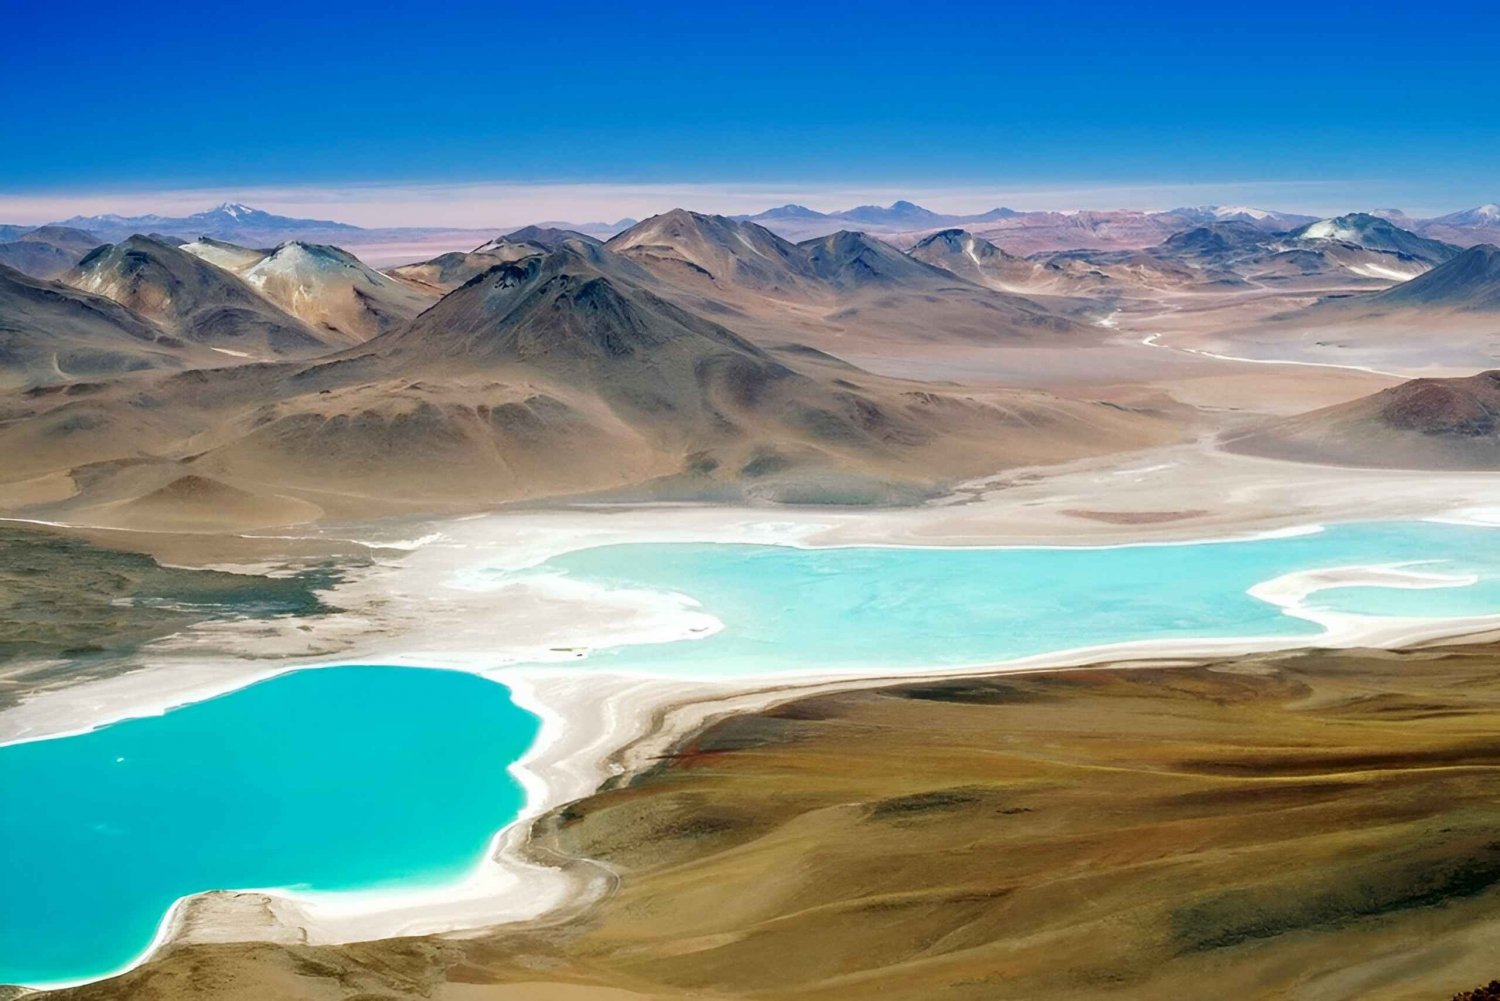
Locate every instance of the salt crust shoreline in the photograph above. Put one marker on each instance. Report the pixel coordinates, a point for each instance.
(596, 726)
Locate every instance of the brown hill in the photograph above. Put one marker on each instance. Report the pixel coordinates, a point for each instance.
(1421, 424)
(47, 251)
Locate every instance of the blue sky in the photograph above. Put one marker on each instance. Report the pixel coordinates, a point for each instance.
(1308, 105)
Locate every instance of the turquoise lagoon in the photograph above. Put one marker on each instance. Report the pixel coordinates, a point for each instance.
(867, 608)
(364, 777)
(333, 779)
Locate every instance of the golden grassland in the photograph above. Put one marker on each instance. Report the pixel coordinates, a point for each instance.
(1312, 826)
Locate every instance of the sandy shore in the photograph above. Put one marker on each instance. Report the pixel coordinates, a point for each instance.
(448, 602)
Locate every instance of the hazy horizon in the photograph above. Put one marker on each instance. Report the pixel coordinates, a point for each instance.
(491, 205)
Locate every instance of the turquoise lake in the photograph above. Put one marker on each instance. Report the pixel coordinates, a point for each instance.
(863, 608)
(363, 777)
(333, 779)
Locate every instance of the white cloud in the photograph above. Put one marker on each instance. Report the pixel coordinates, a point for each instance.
(494, 205)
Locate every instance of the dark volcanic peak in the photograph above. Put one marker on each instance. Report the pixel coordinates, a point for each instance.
(1470, 281)
(849, 260)
(1213, 240)
(959, 241)
(547, 307)
(557, 319)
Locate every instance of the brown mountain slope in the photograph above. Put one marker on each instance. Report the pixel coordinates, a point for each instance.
(47, 251)
(545, 377)
(1421, 424)
(195, 300)
(51, 333)
(981, 262)
(730, 253)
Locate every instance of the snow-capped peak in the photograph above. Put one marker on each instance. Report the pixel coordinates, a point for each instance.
(235, 210)
(1331, 229)
(1231, 211)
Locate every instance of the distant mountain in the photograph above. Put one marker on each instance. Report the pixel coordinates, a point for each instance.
(229, 221)
(1043, 230)
(965, 255)
(786, 213)
(47, 251)
(1215, 242)
(194, 300)
(851, 261)
(1395, 216)
(242, 225)
(1421, 424)
(1469, 282)
(900, 214)
(1361, 229)
(976, 259)
(798, 222)
(1486, 216)
(1480, 224)
(1266, 220)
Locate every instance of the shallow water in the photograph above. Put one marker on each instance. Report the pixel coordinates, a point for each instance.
(330, 779)
(341, 778)
(863, 608)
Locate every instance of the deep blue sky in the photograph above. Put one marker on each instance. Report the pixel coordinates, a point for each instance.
(1395, 98)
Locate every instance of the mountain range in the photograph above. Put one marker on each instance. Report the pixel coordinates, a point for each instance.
(689, 355)
(578, 351)
(1020, 232)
